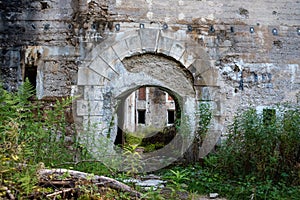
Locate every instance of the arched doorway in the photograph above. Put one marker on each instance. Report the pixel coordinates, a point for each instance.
(112, 72)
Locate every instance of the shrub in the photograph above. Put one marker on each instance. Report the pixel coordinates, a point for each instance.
(267, 148)
(29, 139)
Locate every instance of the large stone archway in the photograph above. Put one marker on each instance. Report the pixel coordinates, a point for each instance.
(129, 60)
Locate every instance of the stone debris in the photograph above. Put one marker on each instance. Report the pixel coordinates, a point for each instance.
(147, 182)
(151, 183)
(213, 195)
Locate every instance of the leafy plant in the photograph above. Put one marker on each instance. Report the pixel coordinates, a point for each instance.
(132, 160)
(205, 115)
(29, 137)
(266, 151)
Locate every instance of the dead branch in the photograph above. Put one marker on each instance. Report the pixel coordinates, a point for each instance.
(59, 192)
(95, 179)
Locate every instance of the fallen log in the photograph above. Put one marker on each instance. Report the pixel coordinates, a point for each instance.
(44, 175)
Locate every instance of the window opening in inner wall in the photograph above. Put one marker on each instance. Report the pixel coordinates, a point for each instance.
(171, 117)
(141, 116)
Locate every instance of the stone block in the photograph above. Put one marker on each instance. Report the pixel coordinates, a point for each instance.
(213, 195)
(93, 93)
(109, 56)
(187, 59)
(168, 34)
(58, 51)
(164, 45)
(92, 108)
(92, 54)
(209, 142)
(208, 93)
(226, 43)
(149, 39)
(201, 66)
(121, 49)
(134, 44)
(119, 67)
(93, 123)
(87, 76)
(177, 50)
(102, 68)
(210, 77)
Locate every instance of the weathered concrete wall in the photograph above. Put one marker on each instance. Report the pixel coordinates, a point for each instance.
(27, 24)
(228, 50)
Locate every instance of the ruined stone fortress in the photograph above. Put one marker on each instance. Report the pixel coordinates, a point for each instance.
(227, 53)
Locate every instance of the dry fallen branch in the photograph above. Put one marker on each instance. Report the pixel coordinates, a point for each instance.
(59, 192)
(44, 175)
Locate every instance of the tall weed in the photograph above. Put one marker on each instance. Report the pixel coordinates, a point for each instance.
(266, 150)
(30, 138)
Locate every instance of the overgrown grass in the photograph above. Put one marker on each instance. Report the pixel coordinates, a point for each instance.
(259, 160)
(266, 150)
(206, 179)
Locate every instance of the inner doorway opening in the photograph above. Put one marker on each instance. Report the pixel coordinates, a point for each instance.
(148, 119)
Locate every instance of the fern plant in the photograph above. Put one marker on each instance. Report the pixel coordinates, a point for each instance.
(28, 137)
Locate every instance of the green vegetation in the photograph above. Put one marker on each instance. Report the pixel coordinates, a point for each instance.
(259, 160)
(29, 140)
(150, 138)
(264, 147)
(33, 138)
(205, 116)
(262, 154)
